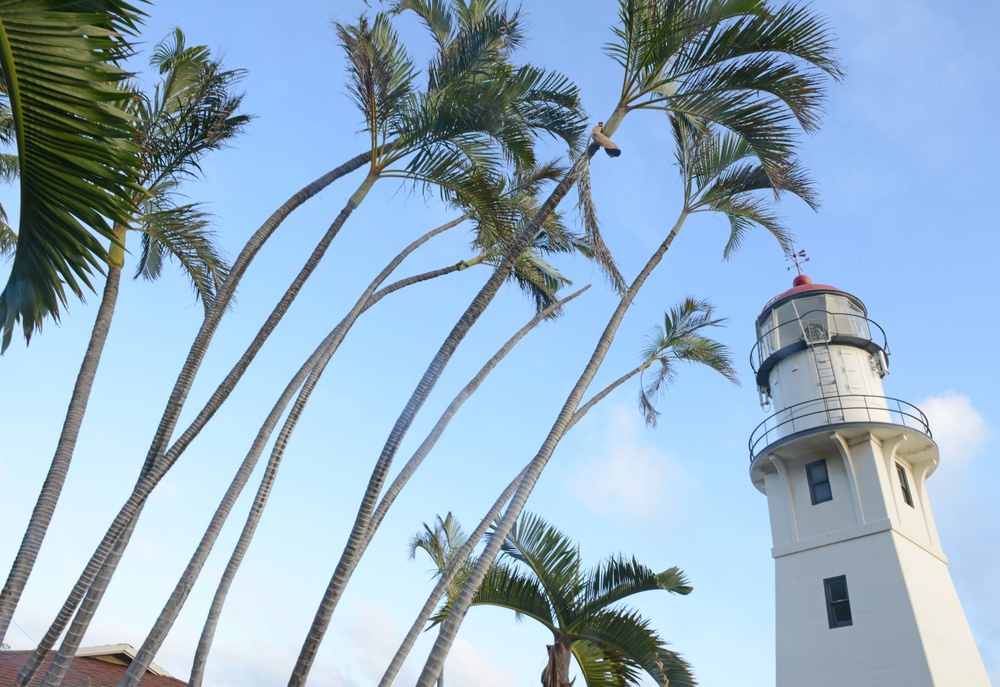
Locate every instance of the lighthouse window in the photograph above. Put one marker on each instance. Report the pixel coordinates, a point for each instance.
(838, 605)
(819, 482)
(904, 484)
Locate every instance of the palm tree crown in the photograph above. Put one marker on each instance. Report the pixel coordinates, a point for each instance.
(541, 576)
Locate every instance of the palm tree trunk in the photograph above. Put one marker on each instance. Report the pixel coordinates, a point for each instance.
(225, 295)
(449, 629)
(600, 396)
(556, 672)
(353, 549)
(445, 580)
(345, 568)
(45, 506)
(99, 570)
(314, 368)
(432, 438)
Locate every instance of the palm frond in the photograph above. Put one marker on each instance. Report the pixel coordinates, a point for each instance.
(193, 111)
(433, 13)
(598, 249)
(78, 163)
(181, 233)
(636, 647)
(510, 588)
(8, 237)
(757, 71)
(722, 173)
(680, 339)
(552, 559)
(380, 72)
(619, 577)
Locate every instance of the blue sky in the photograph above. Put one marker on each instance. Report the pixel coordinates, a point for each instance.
(904, 168)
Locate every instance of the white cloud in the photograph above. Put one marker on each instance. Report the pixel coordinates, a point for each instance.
(626, 477)
(467, 665)
(958, 428)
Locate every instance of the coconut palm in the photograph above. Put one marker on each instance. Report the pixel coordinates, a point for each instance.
(541, 576)
(190, 112)
(77, 157)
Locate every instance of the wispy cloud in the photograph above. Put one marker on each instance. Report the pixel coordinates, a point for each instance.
(959, 430)
(624, 475)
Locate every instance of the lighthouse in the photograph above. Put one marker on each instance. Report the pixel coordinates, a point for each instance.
(863, 593)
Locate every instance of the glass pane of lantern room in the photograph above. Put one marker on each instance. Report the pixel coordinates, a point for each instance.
(814, 319)
(788, 330)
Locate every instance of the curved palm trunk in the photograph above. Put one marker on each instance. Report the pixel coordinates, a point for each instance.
(225, 295)
(354, 547)
(432, 438)
(45, 506)
(598, 397)
(316, 364)
(445, 581)
(314, 368)
(90, 587)
(449, 629)
(345, 568)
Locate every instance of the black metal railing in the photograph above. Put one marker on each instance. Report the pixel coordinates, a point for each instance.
(846, 326)
(836, 410)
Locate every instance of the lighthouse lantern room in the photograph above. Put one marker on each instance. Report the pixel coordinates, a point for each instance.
(863, 592)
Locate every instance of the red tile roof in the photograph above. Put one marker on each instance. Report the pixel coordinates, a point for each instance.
(83, 672)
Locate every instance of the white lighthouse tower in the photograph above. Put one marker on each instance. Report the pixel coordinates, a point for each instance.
(864, 597)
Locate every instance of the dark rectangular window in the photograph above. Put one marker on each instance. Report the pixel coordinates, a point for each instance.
(838, 605)
(819, 482)
(904, 484)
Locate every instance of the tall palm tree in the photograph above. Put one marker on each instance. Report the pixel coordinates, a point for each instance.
(442, 543)
(191, 111)
(541, 576)
(77, 157)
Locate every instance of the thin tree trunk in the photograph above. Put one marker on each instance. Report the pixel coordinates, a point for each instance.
(95, 577)
(314, 368)
(225, 295)
(345, 568)
(598, 397)
(432, 438)
(45, 506)
(556, 672)
(446, 579)
(426, 384)
(449, 629)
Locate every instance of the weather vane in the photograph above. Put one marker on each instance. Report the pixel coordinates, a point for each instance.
(797, 258)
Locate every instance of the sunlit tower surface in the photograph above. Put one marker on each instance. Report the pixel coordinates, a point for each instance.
(863, 593)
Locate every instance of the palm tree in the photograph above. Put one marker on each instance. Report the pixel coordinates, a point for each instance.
(442, 544)
(191, 111)
(77, 158)
(541, 577)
